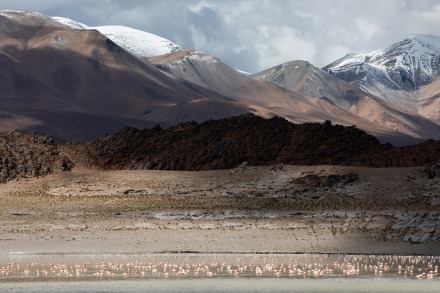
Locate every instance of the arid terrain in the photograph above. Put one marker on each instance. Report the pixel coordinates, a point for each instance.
(280, 208)
(243, 184)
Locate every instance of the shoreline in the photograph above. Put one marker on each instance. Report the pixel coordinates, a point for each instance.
(210, 253)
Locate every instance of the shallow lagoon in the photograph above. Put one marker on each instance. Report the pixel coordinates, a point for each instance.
(337, 285)
(218, 273)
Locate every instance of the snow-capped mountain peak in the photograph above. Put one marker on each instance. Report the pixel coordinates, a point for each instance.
(394, 73)
(415, 45)
(418, 55)
(70, 23)
(407, 64)
(137, 42)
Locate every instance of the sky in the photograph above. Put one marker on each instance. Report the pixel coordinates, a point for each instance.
(253, 35)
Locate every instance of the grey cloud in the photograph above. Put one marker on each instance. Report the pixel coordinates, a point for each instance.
(254, 34)
(208, 22)
(419, 5)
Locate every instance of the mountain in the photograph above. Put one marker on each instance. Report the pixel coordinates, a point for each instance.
(77, 83)
(396, 74)
(137, 42)
(265, 98)
(303, 77)
(429, 100)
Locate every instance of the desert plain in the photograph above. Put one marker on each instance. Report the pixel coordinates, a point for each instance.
(264, 209)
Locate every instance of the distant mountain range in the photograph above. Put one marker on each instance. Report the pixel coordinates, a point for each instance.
(72, 81)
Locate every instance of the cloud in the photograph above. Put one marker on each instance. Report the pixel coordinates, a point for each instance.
(334, 52)
(277, 44)
(253, 35)
(367, 29)
(431, 16)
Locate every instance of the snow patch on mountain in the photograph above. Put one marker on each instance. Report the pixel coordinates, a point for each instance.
(139, 43)
(70, 23)
(17, 16)
(243, 72)
(359, 58)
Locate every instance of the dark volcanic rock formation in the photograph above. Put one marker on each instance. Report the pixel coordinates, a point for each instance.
(215, 144)
(227, 143)
(26, 155)
(313, 180)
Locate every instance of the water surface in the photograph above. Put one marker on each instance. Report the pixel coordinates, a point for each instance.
(218, 273)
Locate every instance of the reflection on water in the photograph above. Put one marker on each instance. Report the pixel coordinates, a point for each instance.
(218, 273)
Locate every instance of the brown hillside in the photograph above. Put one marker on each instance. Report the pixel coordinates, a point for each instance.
(53, 76)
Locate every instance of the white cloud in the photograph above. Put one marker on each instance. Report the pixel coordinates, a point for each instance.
(333, 52)
(366, 28)
(428, 17)
(255, 34)
(278, 44)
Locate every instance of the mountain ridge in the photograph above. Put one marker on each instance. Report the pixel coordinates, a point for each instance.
(266, 98)
(53, 69)
(303, 77)
(395, 73)
(60, 66)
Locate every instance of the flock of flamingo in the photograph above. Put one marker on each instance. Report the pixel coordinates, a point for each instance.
(216, 265)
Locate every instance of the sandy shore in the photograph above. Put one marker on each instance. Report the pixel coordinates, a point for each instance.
(321, 209)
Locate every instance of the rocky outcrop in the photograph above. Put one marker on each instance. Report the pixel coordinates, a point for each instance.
(314, 180)
(228, 142)
(431, 172)
(26, 155)
(423, 154)
(420, 227)
(219, 144)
